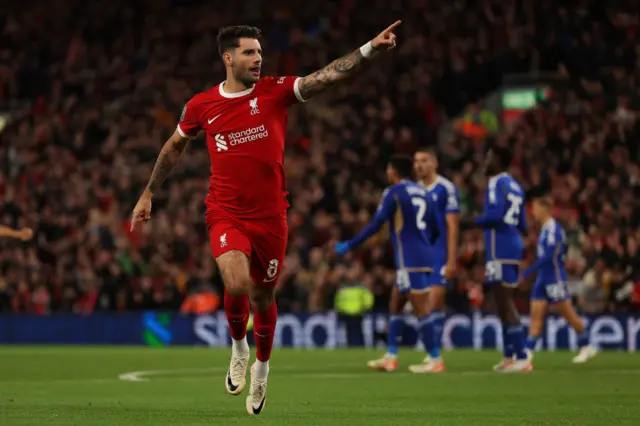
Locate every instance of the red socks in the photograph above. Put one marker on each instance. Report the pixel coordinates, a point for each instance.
(264, 326)
(237, 310)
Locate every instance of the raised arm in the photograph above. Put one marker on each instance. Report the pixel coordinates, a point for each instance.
(169, 156)
(347, 66)
(23, 234)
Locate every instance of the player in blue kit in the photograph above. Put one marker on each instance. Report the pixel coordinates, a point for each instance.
(551, 284)
(504, 222)
(412, 217)
(445, 195)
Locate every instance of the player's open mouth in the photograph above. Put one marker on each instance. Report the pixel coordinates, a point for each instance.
(255, 71)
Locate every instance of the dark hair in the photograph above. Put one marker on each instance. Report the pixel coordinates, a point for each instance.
(402, 164)
(229, 37)
(504, 156)
(429, 150)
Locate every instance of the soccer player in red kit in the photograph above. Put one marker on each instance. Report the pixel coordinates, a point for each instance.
(245, 121)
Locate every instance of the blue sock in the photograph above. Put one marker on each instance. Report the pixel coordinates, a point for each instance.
(532, 342)
(516, 337)
(437, 322)
(507, 345)
(394, 334)
(426, 333)
(584, 339)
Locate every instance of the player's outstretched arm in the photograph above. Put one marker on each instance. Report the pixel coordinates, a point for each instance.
(347, 66)
(23, 234)
(385, 212)
(343, 247)
(169, 156)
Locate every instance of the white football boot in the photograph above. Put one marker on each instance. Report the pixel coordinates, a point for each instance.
(585, 354)
(429, 366)
(257, 397)
(236, 378)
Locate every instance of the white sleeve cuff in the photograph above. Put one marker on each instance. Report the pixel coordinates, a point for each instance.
(183, 134)
(296, 90)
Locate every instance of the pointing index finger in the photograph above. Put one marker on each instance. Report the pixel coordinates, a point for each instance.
(393, 26)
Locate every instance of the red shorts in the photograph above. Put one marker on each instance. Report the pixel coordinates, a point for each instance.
(264, 241)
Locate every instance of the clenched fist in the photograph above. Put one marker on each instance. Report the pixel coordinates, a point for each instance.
(142, 211)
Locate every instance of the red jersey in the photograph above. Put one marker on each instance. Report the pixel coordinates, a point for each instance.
(245, 137)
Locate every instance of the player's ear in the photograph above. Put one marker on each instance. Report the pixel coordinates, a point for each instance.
(226, 58)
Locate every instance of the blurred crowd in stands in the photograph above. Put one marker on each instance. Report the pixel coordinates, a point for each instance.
(87, 103)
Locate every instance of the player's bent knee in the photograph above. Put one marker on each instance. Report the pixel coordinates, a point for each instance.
(437, 297)
(508, 313)
(397, 301)
(261, 298)
(538, 308)
(234, 268)
(503, 308)
(506, 304)
(565, 308)
(513, 317)
(420, 303)
(236, 289)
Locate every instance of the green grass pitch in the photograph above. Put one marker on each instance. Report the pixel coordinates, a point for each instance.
(83, 386)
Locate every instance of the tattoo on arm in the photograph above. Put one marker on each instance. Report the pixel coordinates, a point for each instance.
(336, 72)
(167, 160)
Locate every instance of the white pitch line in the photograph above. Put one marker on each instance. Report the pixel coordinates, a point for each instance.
(142, 376)
(40, 383)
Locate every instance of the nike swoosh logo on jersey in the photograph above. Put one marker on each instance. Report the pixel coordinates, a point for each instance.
(214, 118)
